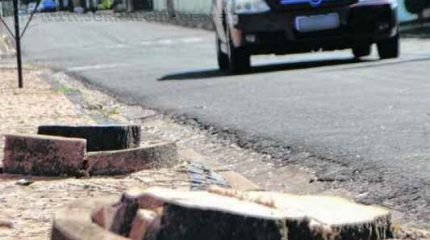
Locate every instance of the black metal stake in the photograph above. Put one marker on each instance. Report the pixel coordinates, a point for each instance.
(18, 43)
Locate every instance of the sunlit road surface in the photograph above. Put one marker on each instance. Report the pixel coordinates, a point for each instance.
(367, 122)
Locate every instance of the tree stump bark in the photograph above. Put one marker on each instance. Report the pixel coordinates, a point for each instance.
(99, 138)
(237, 215)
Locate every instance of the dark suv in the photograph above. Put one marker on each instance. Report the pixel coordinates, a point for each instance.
(246, 27)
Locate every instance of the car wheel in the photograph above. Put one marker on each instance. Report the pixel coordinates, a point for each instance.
(362, 51)
(239, 60)
(389, 48)
(223, 62)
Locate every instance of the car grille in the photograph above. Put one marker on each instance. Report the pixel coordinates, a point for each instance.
(307, 4)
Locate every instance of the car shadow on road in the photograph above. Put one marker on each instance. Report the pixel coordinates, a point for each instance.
(214, 73)
(383, 64)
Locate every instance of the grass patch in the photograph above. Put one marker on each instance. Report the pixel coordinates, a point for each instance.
(67, 90)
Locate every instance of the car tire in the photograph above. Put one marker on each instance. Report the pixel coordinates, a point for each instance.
(362, 51)
(223, 62)
(389, 48)
(239, 61)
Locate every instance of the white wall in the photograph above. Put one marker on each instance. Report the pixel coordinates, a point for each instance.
(203, 7)
(186, 6)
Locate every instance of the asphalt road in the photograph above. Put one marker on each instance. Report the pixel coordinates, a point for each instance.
(364, 124)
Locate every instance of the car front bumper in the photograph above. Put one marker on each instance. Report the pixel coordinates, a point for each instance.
(275, 32)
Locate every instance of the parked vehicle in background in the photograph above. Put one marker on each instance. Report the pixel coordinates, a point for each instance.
(247, 27)
(44, 6)
(47, 6)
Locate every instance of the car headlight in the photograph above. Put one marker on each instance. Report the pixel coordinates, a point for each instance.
(250, 6)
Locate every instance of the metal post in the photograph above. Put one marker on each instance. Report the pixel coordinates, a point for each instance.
(18, 43)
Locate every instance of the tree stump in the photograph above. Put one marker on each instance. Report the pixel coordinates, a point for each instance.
(230, 214)
(99, 138)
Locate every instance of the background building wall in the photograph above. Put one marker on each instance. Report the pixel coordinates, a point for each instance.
(186, 6)
(6, 8)
(203, 7)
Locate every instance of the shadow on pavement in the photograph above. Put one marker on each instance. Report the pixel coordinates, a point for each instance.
(200, 74)
(214, 73)
(382, 64)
